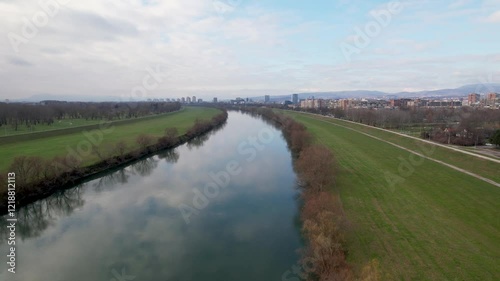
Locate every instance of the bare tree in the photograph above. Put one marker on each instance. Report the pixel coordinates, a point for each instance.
(171, 132)
(144, 141)
(121, 148)
(315, 166)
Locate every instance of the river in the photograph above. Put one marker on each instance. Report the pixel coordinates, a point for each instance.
(223, 207)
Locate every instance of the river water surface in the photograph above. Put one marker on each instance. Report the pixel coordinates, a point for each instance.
(223, 207)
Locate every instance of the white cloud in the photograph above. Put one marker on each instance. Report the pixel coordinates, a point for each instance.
(459, 4)
(495, 17)
(103, 48)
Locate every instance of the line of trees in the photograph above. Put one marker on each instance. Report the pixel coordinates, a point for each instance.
(460, 126)
(322, 215)
(495, 139)
(16, 115)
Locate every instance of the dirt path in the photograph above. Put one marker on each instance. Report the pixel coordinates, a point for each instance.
(420, 154)
(419, 139)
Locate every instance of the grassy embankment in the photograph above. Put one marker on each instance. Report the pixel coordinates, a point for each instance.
(437, 224)
(56, 145)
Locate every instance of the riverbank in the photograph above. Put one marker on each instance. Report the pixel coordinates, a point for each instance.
(411, 218)
(38, 177)
(81, 142)
(247, 229)
(323, 220)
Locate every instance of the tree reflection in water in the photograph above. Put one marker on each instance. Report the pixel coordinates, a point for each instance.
(197, 141)
(110, 180)
(200, 140)
(171, 156)
(34, 218)
(145, 167)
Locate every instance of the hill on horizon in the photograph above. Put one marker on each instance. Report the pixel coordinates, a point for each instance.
(457, 92)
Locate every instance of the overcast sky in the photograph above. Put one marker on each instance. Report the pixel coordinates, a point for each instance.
(230, 48)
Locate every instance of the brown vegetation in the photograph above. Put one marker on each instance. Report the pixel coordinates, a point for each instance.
(171, 132)
(121, 149)
(371, 271)
(31, 169)
(169, 137)
(144, 141)
(323, 220)
(315, 166)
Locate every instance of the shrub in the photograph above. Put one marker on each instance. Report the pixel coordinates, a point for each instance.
(171, 133)
(315, 167)
(66, 164)
(322, 214)
(144, 141)
(28, 169)
(121, 148)
(323, 220)
(169, 137)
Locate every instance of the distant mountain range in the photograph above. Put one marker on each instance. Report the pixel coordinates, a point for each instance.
(71, 98)
(458, 92)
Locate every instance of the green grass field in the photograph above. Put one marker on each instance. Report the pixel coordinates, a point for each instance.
(476, 165)
(57, 145)
(437, 224)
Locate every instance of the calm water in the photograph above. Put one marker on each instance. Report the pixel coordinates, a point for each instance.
(221, 208)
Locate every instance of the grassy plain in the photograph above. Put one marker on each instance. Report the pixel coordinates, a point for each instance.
(470, 163)
(58, 145)
(435, 224)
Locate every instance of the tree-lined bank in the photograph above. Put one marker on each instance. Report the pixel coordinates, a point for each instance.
(78, 156)
(323, 221)
(128, 220)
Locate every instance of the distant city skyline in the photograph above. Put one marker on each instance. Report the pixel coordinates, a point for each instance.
(228, 49)
(464, 91)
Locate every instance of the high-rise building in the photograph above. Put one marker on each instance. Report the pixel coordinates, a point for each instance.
(491, 98)
(344, 104)
(295, 98)
(183, 100)
(267, 98)
(473, 98)
(396, 103)
(320, 103)
(215, 100)
(193, 99)
(188, 100)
